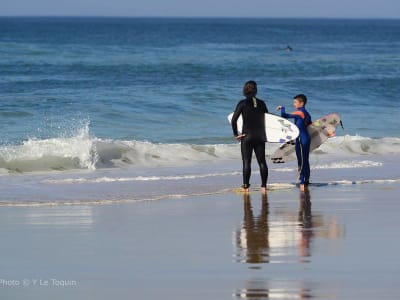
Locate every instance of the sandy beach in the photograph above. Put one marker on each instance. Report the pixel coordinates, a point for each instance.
(336, 242)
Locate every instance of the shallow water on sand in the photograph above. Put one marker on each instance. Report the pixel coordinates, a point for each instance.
(330, 244)
(338, 242)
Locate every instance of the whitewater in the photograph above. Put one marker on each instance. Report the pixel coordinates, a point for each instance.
(84, 151)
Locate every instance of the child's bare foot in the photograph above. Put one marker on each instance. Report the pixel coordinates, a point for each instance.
(263, 190)
(302, 188)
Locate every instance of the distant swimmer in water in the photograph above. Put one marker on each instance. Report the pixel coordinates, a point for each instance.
(288, 48)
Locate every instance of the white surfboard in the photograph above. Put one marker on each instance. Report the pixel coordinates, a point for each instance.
(319, 130)
(278, 130)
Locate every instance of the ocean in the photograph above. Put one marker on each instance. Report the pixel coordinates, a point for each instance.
(127, 109)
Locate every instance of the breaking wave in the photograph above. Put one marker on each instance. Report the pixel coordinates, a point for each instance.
(83, 151)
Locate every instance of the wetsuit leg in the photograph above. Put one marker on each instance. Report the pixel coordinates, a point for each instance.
(298, 155)
(303, 154)
(259, 149)
(247, 152)
(307, 171)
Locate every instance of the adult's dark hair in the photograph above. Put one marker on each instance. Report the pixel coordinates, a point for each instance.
(301, 98)
(250, 89)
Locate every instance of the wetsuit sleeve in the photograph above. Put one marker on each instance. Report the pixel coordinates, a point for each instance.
(294, 115)
(235, 117)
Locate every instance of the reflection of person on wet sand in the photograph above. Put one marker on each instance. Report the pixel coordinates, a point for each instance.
(306, 223)
(253, 238)
(327, 228)
(263, 289)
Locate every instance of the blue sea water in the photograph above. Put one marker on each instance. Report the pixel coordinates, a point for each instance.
(93, 93)
(147, 79)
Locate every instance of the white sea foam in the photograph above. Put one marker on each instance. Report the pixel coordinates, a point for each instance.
(137, 178)
(359, 145)
(107, 201)
(105, 179)
(83, 151)
(347, 164)
(121, 153)
(77, 152)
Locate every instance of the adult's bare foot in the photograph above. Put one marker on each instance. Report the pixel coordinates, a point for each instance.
(245, 188)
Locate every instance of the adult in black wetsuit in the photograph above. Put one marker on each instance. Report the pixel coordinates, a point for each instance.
(253, 135)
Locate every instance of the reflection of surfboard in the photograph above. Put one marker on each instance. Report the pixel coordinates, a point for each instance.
(278, 130)
(320, 130)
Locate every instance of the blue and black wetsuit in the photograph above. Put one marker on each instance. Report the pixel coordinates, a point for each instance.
(302, 120)
(252, 111)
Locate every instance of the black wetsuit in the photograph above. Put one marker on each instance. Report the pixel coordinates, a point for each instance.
(252, 111)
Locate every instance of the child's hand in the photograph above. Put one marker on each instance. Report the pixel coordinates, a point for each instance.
(279, 107)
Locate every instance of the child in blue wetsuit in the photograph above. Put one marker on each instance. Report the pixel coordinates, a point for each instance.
(302, 120)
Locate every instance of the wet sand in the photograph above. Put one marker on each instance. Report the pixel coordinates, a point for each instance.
(336, 242)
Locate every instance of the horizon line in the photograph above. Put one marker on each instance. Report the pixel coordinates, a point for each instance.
(199, 17)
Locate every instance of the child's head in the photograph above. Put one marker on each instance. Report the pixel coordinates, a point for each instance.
(299, 101)
(250, 89)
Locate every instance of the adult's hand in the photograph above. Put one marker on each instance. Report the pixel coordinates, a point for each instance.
(239, 137)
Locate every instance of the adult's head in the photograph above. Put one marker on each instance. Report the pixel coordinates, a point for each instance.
(250, 89)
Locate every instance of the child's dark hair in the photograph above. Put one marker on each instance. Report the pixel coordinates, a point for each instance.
(301, 98)
(250, 89)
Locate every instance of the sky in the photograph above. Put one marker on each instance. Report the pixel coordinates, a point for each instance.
(205, 8)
